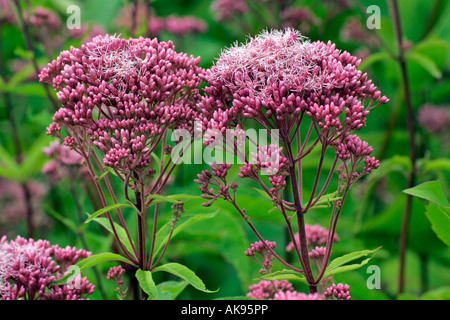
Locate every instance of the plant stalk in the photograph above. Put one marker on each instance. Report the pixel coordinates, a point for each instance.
(412, 144)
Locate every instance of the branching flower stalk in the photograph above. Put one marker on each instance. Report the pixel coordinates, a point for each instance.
(119, 99)
(284, 82)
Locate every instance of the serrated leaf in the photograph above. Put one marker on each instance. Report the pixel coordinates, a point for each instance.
(339, 264)
(345, 268)
(184, 273)
(431, 191)
(439, 217)
(147, 284)
(169, 290)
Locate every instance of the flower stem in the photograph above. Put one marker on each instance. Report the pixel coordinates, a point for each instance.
(412, 144)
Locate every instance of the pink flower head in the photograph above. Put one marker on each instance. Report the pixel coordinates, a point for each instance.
(6, 12)
(316, 235)
(44, 18)
(278, 76)
(28, 267)
(294, 295)
(225, 10)
(121, 95)
(264, 289)
(184, 25)
(62, 160)
(339, 292)
(115, 272)
(434, 119)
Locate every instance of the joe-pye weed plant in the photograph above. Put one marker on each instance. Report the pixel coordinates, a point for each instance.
(120, 98)
(281, 82)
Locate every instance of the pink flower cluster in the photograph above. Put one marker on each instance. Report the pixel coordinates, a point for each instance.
(298, 17)
(7, 15)
(264, 250)
(28, 267)
(278, 290)
(317, 252)
(294, 295)
(177, 25)
(44, 18)
(267, 289)
(14, 204)
(434, 119)
(225, 10)
(218, 179)
(183, 25)
(121, 96)
(316, 235)
(278, 76)
(339, 291)
(115, 272)
(63, 159)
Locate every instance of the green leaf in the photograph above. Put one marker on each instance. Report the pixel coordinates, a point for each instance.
(28, 89)
(103, 175)
(345, 268)
(376, 57)
(8, 166)
(431, 191)
(263, 193)
(21, 75)
(169, 290)
(90, 262)
(439, 217)
(107, 209)
(147, 284)
(159, 198)
(163, 233)
(121, 233)
(24, 54)
(442, 164)
(339, 264)
(285, 275)
(34, 158)
(183, 197)
(325, 201)
(425, 62)
(184, 273)
(441, 293)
